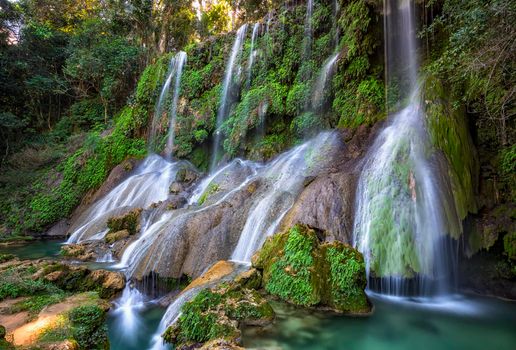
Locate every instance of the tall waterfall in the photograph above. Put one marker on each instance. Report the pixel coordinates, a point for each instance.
(404, 210)
(225, 98)
(252, 54)
(158, 110)
(307, 44)
(179, 63)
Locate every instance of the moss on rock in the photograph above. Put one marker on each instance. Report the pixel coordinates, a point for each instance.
(217, 314)
(129, 221)
(298, 268)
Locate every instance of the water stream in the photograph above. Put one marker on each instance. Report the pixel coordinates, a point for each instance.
(225, 98)
(179, 63)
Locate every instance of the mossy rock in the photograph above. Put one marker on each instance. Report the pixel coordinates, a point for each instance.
(509, 245)
(129, 221)
(218, 313)
(6, 257)
(299, 269)
(112, 237)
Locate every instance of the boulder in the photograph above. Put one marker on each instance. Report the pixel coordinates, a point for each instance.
(129, 221)
(112, 237)
(300, 269)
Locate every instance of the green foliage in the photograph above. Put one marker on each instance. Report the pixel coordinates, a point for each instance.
(6, 257)
(348, 278)
(290, 276)
(34, 304)
(215, 313)
(509, 245)
(89, 327)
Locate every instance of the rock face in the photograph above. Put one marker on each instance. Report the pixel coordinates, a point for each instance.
(129, 221)
(298, 268)
(212, 319)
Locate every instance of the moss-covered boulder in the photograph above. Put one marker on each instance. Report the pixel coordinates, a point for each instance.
(298, 268)
(112, 237)
(129, 221)
(215, 315)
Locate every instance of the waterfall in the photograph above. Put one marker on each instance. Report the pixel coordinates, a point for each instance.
(158, 110)
(252, 53)
(126, 309)
(148, 184)
(308, 29)
(403, 207)
(286, 176)
(179, 63)
(225, 100)
(326, 73)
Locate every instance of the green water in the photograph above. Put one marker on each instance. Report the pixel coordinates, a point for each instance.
(36, 249)
(464, 323)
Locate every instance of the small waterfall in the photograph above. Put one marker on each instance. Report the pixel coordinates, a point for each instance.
(307, 44)
(149, 184)
(158, 110)
(171, 315)
(336, 9)
(126, 309)
(404, 209)
(252, 54)
(326, 73)
(286, 176)
(179, 63)
(225, 100)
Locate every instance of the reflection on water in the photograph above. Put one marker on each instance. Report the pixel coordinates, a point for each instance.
(458, 323)
(36, 249)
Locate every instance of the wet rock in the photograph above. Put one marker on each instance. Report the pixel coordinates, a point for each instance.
(326, 204)
(129, 221)
(176, 188)
(186, 175)
(298, 268)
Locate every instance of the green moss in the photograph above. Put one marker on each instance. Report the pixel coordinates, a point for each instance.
(509, 245)
(216, 313)
(290, 276)
(89, 327)
(348, 278)
(449, 133)
(212, 189)
(129, 221)
(299, 269)
(6, 257)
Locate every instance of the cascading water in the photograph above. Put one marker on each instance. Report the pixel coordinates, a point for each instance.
(225, 100)
(404, 211)
(307, 44)
(158, 110)
(179, 63)
(148, 184)
(326, 73)
(252, 54)
(286, 176)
